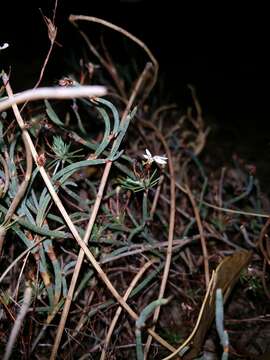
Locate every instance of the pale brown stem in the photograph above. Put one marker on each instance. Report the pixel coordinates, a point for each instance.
(119, 310)
(51, 93)
(171, 229)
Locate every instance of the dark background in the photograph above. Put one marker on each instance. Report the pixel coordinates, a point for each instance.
(221, 50)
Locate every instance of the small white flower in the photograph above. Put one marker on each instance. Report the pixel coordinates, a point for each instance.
(162, 160)
(4, 46)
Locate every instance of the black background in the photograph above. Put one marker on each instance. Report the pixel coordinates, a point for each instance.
(221, 49)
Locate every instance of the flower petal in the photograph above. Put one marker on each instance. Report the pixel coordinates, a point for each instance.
(4, 46)
(148, 153)
(160, 160)
(146, 156)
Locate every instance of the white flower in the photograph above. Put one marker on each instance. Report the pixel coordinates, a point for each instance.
(162, 160)
(4, 46)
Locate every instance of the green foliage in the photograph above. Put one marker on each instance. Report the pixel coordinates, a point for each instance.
(252, 280)
(37, 216)
(141, 184)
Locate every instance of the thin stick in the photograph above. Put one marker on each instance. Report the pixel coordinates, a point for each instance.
(119, 310)
(156, 197)
(74, 18)
(52, 33)
(171, 228)
(89, 229)
(203, 242)
(111, 70)
(14, 262)
(16, 292)
(232, 211)
(63, 211)
(18, 322)
(70, 224)
(191, 336)
(51, 93)
(79, 262)
(144, 248)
